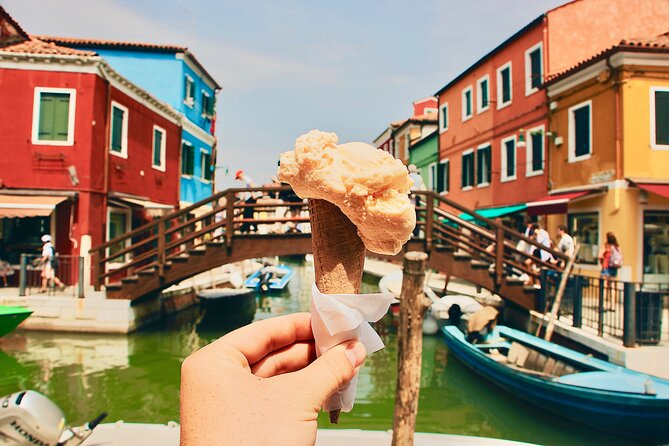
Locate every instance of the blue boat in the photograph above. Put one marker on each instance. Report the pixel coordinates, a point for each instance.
(270, 278)
(569, 384)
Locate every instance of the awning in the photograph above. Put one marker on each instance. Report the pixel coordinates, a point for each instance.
(152, 208)
(493, 213)
(557, 204)
(17, 206)
(659, 189)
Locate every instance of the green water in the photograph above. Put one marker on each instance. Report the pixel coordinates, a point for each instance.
(136, 377)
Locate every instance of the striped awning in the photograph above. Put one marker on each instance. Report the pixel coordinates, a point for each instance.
(19, 206)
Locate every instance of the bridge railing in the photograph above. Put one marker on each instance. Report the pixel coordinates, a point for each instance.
(246, 212)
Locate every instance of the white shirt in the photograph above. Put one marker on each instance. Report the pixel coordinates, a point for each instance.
(47, 250)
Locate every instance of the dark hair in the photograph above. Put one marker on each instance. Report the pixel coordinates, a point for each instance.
(611, 239)
(534, 227)
(562, 228)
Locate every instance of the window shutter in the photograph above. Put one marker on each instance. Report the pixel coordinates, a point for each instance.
(662, 117)
(157, 147)
(46, 112)
(535, 62)
(117, 130)
(537, 152)
(582, 131)
(61, 116)
(506, 85)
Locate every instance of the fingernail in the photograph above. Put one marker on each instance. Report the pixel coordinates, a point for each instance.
(356, 353)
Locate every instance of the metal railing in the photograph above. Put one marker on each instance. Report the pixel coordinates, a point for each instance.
(68, 276)
(632, 312)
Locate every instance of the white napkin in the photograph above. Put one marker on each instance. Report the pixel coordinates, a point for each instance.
(336, 318)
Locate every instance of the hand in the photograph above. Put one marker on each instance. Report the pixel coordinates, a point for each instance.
(262, 384)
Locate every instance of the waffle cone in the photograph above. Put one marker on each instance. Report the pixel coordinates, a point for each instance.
(339, 254)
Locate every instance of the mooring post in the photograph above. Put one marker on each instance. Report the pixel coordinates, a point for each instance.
(413, 304)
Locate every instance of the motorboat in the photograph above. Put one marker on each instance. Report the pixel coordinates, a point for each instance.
(11, 317)
(270, 278)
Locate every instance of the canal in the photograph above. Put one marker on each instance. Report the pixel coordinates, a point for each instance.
(136, 377)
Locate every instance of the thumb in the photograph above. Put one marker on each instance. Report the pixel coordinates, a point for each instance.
(332, 370)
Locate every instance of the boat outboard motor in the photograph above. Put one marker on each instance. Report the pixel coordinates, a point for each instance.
(28, 418)
(264, 280)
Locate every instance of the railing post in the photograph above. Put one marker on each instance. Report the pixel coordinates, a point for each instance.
(95, 258)
(229, 217)
(499, 256)
(543, 295)
(429, 218)
(161, 249)
(80, 278)
(23, 275)
(600, 309)
(578, 302)
(629, 315)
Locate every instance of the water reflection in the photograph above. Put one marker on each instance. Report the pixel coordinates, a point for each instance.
(136, 377)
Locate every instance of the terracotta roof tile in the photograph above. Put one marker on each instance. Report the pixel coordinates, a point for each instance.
(36, 46)
(661, 41)
(99, 43)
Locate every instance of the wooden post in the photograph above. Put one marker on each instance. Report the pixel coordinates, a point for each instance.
(161, 249)
(560, 292)
(229, 216)
(499, 257)
(413, 304)
(429, 218)
(97, 270)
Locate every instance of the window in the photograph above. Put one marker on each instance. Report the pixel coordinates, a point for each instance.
(504, 92)
(119, 130)
(659, 121)
(656, 243)
(187, 158)
(189, 91)
(535, 151)
(534, 75)
(468, 169)
(118, 223)
(159, 137)
(467, 110)
(584, 228)
(443, 118)
(53, 116)
(429, 111)
(509, 158)
(580, 131)
(483, 94)
(205, 163)
(443, 177)
(207, 105)
(483, 167)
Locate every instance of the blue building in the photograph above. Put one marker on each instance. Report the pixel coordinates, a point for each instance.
(174, 75)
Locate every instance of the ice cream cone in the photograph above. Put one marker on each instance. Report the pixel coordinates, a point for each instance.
(339, 254)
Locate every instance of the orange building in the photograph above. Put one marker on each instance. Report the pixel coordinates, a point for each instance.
(493, 117)
(609, 156)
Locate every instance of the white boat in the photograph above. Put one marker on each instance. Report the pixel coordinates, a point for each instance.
(141, 434)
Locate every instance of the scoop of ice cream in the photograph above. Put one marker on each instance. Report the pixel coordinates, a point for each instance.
(368, 185)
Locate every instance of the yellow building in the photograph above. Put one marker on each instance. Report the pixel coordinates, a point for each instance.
(609, 156)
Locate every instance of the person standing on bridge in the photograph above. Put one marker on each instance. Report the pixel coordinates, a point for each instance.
(250, 198)
(418, 185)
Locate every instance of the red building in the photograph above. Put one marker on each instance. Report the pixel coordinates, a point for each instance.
(493, 116)
(87, 155)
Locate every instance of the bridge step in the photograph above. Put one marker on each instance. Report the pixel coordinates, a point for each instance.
(116, 286)
(514, 281)
(130, 279)
(183, 258)
(215, 244)
(459, 255)
(146, 272)
(444, 248)
(480, 264)
(196, 252)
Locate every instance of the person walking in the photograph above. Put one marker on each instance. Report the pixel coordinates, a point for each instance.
(565, 243)
(249, 199)
(418, 185)
(48, 265)
(611, 259)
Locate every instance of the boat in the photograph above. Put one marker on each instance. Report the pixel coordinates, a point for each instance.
(270, 278)
(215, 299)
(572, 385)
(11, 317)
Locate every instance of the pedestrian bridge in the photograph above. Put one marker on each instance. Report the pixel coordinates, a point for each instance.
(225, 229)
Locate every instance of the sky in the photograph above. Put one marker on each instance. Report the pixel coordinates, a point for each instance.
(286, 67)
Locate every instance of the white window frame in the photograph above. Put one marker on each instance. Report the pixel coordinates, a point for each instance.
(653, 143)
(128, 225)
(528, 67)
(467, 152)
(447, 162)
(476, 159)
(469, 89)
(70, 119)
(529, 151)
(201, 177)
(504, 160)
(500, 104)
(163, 147)
(572, 134)
(443, 128)
(206, 115)
(124, 130)
(432, 172)
(479, 97)
(190, 99)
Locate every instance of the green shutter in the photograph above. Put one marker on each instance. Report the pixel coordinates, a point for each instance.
(54, 116)
(206, 166)
(506, 85)
(535, 62)
(484, 94)
(117, 130)
(157, 148)
(662, 117)
(582, 131)
(510, 158)
(187, 159)
(537, 151)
